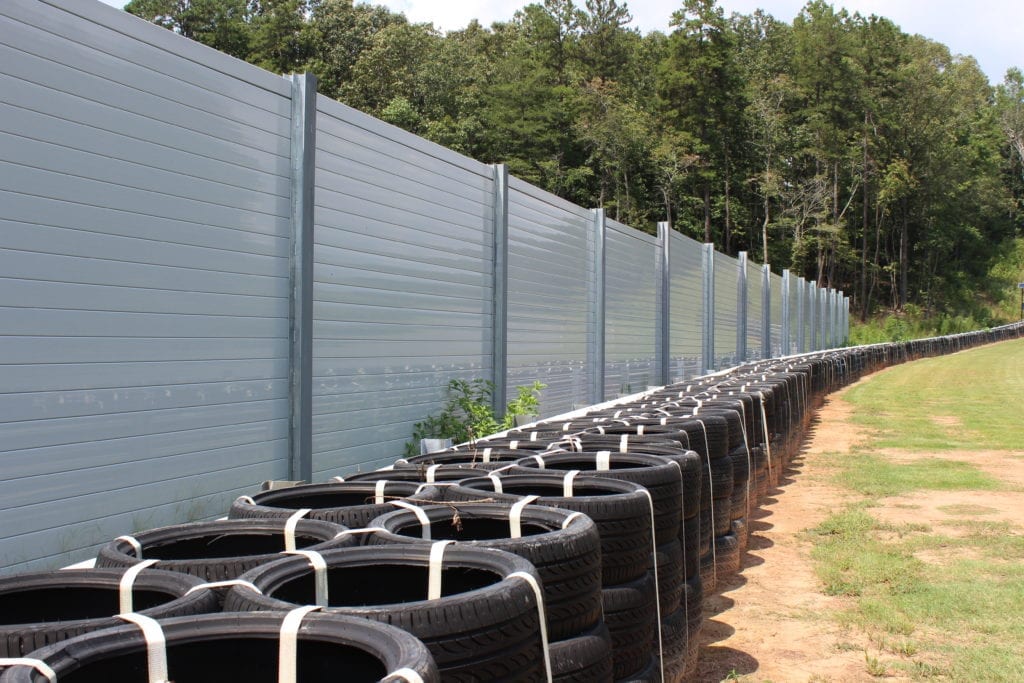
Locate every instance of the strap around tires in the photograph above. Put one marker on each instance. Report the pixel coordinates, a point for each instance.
(420, 515)
(288, 643)
(316, 561)
(124, 586)
(156, 646)
(289, 528)
(515, 515)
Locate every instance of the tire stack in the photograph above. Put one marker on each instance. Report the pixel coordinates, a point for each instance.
(634, 606)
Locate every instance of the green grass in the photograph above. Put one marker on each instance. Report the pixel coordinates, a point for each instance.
(873, 475)
(969, 400)
(942, 600)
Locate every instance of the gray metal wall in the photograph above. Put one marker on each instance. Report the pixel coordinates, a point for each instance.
(755, 309)
(152, 272)
(775, 317)
(403, 282)
(686, 316)
(548, 326)
(144, 203)
(631, 300)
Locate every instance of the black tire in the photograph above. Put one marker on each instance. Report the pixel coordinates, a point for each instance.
(567, 556)
(417, 475)
(583, 659)
(41, 608)
(741, 531)
(221, 550)
(619, 509)
(689, 541)
(660, 478)
(708, 575)
(629, 611)
(670, 576)
(351, 504)
(674, 643)
(727, 555)
(239, 647)
(484, 627)
(650, 673)
(722, 510)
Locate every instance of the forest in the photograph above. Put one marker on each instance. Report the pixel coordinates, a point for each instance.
(835, 145)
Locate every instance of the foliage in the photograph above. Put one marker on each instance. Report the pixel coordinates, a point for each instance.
(468, 413)
(836, 145)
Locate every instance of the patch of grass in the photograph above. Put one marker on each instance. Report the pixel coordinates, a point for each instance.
(946, 403)
(873, 475)
(966, 510)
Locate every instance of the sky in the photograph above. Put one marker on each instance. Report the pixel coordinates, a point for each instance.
(988, 30)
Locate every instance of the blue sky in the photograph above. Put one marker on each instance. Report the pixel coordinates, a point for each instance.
(989, 30)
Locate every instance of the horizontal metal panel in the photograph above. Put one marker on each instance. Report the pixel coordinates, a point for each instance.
(251, 437)
(521, 187)
(382, 388)
(406, 317)
(18, 350)
(22, 152)
(329, 292)
(357, 459)
(432, 277)
(115, 57)
(390, 134)
(566, 384)
(40, 131)
(144, 499)
(85, 190)
(40, 294)
(72, 376)
(44, 405)
(386, 230)
(327, 370)
(349, 331)
(19, 208)
(141, 107)
(38, 266)
(57, 432)
(78, 323)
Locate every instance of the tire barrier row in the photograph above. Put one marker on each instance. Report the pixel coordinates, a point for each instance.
(578, 549)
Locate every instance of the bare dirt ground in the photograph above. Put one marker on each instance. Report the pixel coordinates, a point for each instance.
(772, 622)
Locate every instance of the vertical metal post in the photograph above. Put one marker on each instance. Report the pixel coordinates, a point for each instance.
(707, 346)
(596, 298)
(846, 322)
(499, 319)
(801, 315)
(300, 272)
(786, 341)
(766, 311)
(741, 308)
(812, 301)
(823, 317)
(664, 309)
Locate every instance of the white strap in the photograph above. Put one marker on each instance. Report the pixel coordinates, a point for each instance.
(225, 584)
(435, 569)
(600, 430)
(378, 491)
(640, 430)
(405, 673)
(124, 588)
(364, 530)
(431, 473)
(571, 518)
(316, 561)
(340, 480)
(657, 592)
(37, 664)
(567, 427)
(604, 461)
(156, 645)
(623, 443)
(134, 542)
(289, 528)
(420, 515)
(496, 482)
(543, 618)
(533, 436)
(567, 483)
(487, 454)
(540, 461)
(241, 499)
(515, 516)
(513, 445)
(288, 648)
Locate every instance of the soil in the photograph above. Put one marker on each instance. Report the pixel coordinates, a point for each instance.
(772, 622)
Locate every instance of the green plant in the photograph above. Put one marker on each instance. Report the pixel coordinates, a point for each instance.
(468, 413)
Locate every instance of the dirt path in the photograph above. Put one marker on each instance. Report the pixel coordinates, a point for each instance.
(771, 621)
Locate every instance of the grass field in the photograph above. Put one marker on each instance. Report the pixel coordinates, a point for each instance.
(941, 597)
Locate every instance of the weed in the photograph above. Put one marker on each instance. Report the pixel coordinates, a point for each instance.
(874, 666)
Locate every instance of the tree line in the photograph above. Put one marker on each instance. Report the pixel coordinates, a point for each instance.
(836, 145)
